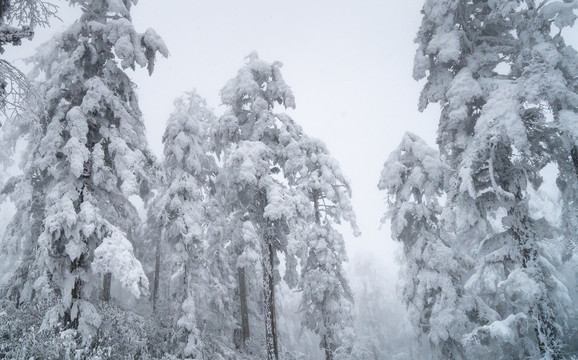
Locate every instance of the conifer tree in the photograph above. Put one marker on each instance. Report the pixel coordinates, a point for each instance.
(247, 138)
(180, 210)
(327, 298)
(497, 69)
(434, 268)
(20, 114)
(275, 176)
(90, 156)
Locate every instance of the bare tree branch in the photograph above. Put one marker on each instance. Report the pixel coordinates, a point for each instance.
(31, 13)
(17, 95)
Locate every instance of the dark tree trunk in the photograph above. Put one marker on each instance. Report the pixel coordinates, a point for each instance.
(157, 272)
(316, 194)
(4, 6)
(525, 235)
(107, 279)
(69, 321)
(269, 298)
(327, 347)
(574, 155)
(245, 331)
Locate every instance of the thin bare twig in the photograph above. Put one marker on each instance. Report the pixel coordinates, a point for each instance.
(31, 13)
(18, 97)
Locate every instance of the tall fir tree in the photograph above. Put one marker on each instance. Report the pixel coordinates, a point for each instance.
(180, 211)
(83, 164)
(246, 137)
(327, 298)
(21, 112)
(275, 176)
(434, 269)
(498, 70)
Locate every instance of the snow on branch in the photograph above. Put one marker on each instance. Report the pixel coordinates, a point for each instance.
(17, 95)
(13, 35)
(115, 255)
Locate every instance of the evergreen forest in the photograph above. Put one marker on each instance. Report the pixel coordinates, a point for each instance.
(232, 242)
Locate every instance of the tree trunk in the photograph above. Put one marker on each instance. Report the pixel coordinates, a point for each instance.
(574, 155)
(4, 6)
(269, 298)
(107, 279)
(325, 343)
(328, 352)
(546, 331)
(315, 195)
(375, 354)
(245, 334)
(76, 294)
(157, 271)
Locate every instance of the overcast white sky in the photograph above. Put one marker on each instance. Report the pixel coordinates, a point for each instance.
(349, 64)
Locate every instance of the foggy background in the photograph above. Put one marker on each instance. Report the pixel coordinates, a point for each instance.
(349, 64)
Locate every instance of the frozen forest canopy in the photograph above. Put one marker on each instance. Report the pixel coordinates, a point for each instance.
(233, 243)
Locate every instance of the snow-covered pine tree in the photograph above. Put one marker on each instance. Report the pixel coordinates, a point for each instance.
(327, 299)
(497, 69)
(219, 306)
(90, 156)
(433, 269)
(179, 209)
(21, 115)
(278, 175)
(247, 139)
(548, 70)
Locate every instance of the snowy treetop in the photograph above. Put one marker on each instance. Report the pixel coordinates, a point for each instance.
(259, 83)
(186, 137)
(413, 166)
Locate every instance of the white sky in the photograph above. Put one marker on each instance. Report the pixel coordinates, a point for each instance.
(349, 64)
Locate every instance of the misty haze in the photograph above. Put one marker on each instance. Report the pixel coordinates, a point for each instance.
(256, 180)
